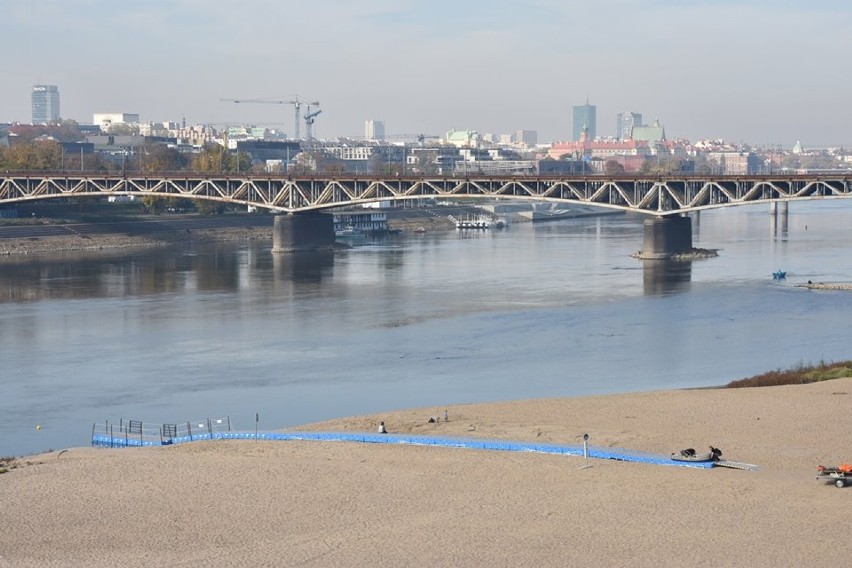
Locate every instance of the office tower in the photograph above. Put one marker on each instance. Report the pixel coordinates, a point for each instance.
(526, 137)
(625, 124)
(374, 130)
(585, 118)
(45, 99)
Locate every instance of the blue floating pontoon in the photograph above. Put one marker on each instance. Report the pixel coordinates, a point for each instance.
(446, 442)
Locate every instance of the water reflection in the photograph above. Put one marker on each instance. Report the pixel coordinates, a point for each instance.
(304, 267)
(778, 221)
(662, 277)
(141, 273)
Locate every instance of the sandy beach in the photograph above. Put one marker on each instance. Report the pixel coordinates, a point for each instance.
(250, 503)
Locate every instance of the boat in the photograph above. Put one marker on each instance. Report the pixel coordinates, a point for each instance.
(471, 223)
(420, 230)
(348, 232)
(690, 455)
(779, 274)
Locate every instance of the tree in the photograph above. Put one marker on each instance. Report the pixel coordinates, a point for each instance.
(612, 167)
(660, 165)
(427, 162)
(37, 155)
(157, 158)
(209, 207)
(154, 204)
(67, 131)
(214, 158)
(122, 129)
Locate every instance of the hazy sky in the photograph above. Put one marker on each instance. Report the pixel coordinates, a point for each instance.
(757, 71)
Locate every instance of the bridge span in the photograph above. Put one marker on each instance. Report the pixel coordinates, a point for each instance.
(665, 199)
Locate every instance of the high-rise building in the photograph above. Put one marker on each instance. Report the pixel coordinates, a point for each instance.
(625, 124)
(374, 130)
(45, 99)
(526, 137)
(585, 118)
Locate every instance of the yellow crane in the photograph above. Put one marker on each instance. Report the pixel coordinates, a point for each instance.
(297, 106)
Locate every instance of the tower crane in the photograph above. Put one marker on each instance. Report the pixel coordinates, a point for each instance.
(310, 117)
(421, 138)
(297, 105)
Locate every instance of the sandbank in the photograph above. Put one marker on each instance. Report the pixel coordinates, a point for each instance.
(259, 503)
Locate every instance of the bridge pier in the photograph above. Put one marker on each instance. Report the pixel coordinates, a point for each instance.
(666, 237)
(302, 232)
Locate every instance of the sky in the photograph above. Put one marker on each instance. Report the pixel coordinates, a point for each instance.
(747, 71)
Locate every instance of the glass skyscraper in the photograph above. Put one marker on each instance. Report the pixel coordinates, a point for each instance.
(626, 122)
(45, 100)
(585, 117)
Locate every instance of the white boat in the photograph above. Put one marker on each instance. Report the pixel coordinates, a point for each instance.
(477, 223)
(348, 232)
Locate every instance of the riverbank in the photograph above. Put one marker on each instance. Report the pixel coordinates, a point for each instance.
(49, 237)
(249, 503)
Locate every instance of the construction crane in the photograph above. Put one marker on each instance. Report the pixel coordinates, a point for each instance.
(421, 138)
(297, 106)
(310, 117)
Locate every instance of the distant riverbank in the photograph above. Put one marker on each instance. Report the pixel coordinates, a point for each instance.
(161, 231)
(50, 237)
(55, 236)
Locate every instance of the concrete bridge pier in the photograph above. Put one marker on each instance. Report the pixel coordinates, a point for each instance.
(302, 232)
(666, 237)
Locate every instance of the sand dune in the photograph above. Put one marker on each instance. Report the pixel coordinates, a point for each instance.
(247, 503)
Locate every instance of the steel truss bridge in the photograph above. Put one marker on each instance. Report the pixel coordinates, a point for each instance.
(657, 196)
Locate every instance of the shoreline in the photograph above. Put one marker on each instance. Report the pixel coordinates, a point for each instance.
(154, 237)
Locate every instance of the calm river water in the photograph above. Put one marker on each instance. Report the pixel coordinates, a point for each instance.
(544, 310)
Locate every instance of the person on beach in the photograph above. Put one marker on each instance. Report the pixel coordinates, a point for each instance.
(382, 429)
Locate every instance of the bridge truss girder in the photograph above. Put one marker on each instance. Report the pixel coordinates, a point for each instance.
(654, 196)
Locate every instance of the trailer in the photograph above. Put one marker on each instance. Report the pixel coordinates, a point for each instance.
(840, 476)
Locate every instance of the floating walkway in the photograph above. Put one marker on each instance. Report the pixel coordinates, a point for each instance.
(122, 440)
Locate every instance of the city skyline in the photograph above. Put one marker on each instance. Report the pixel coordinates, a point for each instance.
(705, 70)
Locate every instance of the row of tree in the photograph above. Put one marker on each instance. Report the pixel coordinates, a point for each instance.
(49, 155)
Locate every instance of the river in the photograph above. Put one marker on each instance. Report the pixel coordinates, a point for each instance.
(428, 320)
